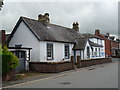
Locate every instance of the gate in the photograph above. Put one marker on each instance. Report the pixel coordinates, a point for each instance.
(22, 61)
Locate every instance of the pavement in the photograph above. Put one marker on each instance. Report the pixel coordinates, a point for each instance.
(32, 79)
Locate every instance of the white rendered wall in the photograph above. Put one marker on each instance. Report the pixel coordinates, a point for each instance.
(58, 51)
(82, 54)
(25, 37)
(85, 51)
(102, 52)
(103, 49)
(99, 42)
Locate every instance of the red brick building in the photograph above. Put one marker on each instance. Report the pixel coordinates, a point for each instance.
(3, 37)
(107, 42)
(114, 46)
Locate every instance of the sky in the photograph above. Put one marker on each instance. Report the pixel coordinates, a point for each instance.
(90, 15)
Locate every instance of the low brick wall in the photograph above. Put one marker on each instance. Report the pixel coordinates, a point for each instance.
(50, 67)
(9, 76)
(116, 56)
(85, 63)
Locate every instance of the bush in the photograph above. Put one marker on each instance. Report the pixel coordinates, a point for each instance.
(9, 60)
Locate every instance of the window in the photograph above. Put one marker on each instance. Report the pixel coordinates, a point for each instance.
(99, 52)
(95, 52)
(88, 52)
(66, 51)
(49, 51)
(17, 54)
(101, 41)
(20, 54)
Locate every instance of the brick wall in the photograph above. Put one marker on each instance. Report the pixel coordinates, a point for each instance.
(85, 63)
(9, 76)
(108, 47)
(50, 67)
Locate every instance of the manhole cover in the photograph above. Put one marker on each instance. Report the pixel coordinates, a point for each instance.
(91, 68)
(65, 83)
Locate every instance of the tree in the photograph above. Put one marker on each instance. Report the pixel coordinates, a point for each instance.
(9, 60)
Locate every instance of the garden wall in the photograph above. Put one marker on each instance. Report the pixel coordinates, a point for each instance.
(116, 56)
(50, 67)
(85, 63)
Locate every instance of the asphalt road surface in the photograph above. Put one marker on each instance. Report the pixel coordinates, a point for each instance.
(101, 76)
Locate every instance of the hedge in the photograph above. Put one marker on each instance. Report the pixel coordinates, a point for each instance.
(9, 60)
(5, 63)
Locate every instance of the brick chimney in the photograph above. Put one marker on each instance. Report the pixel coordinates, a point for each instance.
(2, 36)
(44, 18)
(75, 26)
(97, 32)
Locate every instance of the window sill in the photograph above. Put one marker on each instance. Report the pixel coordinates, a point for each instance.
(50, 59)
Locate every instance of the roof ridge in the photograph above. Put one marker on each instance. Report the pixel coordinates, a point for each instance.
(50, 23)
(27, 18)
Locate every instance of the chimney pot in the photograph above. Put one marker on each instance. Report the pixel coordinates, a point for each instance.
(107, 34)
(44, 18)
(97, 32)
(75, 26)
(46, 14)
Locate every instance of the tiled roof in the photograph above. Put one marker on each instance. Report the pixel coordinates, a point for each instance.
(87, 35)
(51, 32)
(81, 43)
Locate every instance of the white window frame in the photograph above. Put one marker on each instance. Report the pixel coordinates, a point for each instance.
(67, 53)
(49, 51)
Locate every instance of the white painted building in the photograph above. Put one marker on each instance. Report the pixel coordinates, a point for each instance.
(89, 47)
(49, 42)
(42, 41)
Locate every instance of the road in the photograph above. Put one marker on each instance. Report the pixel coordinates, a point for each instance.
(100, 76)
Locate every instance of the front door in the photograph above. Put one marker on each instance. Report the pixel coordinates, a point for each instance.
(21, 56)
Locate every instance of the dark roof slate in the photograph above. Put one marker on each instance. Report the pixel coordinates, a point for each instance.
(51, 32)
(81, 43)
(87, 35)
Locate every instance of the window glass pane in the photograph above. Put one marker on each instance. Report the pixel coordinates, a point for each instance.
(17, 54)
(22, 54)
(50, 50)
(66, 51)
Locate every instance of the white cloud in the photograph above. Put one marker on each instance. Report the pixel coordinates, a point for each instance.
(91, 15)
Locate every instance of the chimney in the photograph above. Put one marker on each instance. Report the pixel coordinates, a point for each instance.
(97, 32)
(44, 18)
(2, 36)
(107, 34)
(75, 26)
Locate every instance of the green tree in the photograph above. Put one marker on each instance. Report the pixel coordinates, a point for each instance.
(9, 60)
